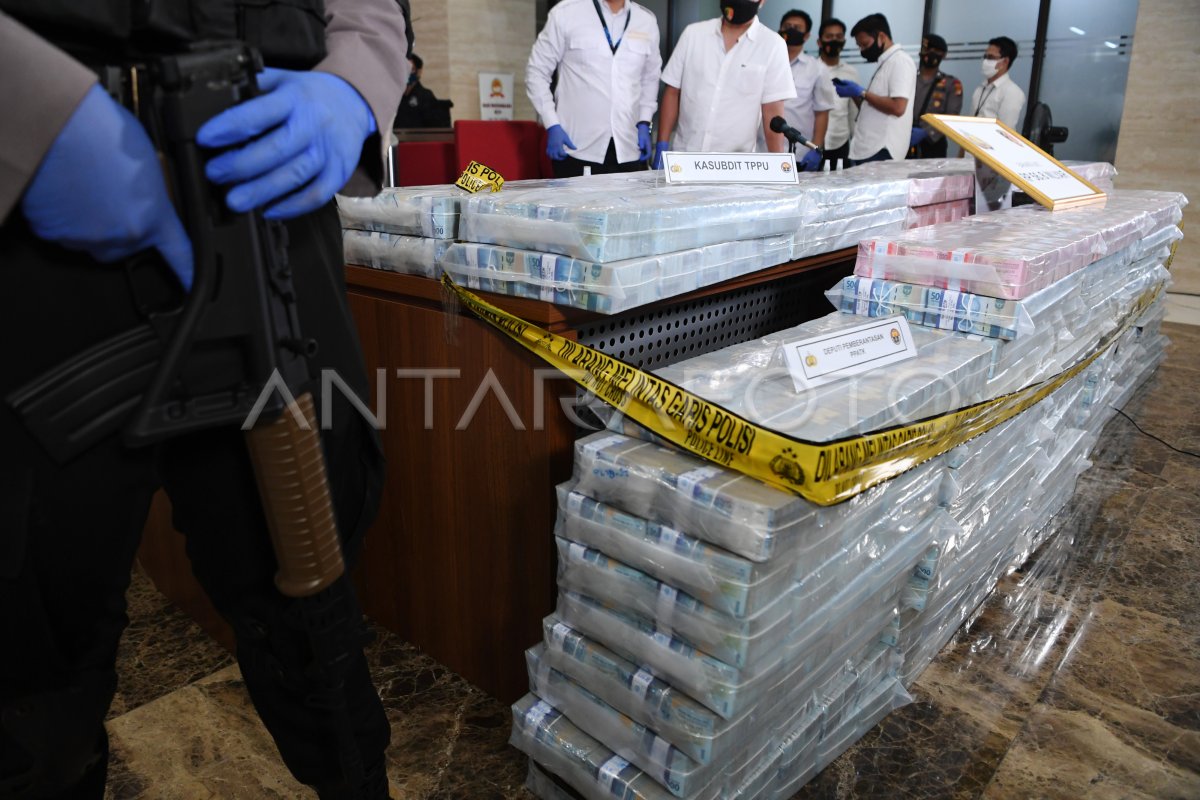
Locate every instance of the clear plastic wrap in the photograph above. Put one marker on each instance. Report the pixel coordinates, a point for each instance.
(838, 233)
(738, 642)
(793, 754)
(629, 739)
(830, 195)
(930, 180)
(1013, 253)
(726, 508)
(750, 379)
(540, 784)
(609, 288)
(1091, 295)
(937, 213)
(727, 640)
(431, 212)
(413, 255)
(935, 308)
(590, 768)
(896, 535)
(888, 695)
(602, 222)
(1065, 332)
(832, 696)
(863, 603)
(718, 577)
(1098, 173)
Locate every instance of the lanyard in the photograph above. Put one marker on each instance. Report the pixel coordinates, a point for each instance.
(983, 99)
(607, 35)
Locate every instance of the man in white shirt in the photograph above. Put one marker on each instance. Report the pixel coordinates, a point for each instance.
(844, 112)
(608, 61)
(809, 111)
(999, 97)
(726, 80)
(883, 127)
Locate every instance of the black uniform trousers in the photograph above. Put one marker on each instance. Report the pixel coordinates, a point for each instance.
(931, 149)
(68, 534)
(570, 167)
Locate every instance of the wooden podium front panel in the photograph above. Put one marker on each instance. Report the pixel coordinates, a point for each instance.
(461, 560)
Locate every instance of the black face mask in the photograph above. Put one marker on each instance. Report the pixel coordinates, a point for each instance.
(931, 61)
(872, 53)
(833, 48)
(738, 12)
(793, 37)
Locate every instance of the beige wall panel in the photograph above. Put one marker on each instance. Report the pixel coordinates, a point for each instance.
(1159, 146)
(489, 36)
(431, 25)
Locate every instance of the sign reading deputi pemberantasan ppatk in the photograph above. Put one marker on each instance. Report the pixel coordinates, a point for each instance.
(851, 351)
(729, 167)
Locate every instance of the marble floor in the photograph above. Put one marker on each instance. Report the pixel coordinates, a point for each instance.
(1079, 677)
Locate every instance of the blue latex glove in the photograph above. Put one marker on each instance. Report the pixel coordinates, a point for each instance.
(848, 88)
(300, 141)
(100, 189)
(645, 146)
(659, 149)
(557, 143)
(919, 135)
(811, 162)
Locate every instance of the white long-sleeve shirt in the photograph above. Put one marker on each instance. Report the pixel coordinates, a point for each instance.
(844, 112)
(1002, 99)
(814, 92)
(601, 95)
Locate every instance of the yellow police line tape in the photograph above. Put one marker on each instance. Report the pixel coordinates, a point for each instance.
(477, 177)
(823, 473)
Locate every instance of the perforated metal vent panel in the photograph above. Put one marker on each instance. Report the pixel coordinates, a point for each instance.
(678, 332)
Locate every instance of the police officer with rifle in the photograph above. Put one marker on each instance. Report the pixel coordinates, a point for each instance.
(170, 273)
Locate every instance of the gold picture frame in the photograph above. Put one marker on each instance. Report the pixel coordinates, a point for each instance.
(980, 150)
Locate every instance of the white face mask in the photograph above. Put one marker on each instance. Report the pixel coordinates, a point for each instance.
(990, 68)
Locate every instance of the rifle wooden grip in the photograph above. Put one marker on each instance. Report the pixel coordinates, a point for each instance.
(290, 468)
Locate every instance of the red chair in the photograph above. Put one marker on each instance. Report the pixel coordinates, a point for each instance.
(516, 149)
(425, 163)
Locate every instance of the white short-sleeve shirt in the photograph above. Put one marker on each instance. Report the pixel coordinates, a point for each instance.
(874, 130)
(721, 94)
(600, 95)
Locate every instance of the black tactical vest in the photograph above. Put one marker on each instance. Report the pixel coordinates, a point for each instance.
(288, 33)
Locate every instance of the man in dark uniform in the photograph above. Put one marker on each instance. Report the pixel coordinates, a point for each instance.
(419, 107)
(937, 93)
(80, 191)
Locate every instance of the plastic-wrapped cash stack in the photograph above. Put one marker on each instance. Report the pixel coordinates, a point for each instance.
(614, 242)
(717, 638)
(401, 229)
(610, 243)
(940, 189)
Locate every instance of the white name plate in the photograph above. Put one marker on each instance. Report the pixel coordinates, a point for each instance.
(730, 167)
(853, 351)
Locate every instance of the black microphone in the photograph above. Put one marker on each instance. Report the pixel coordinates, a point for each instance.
(779, 125)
